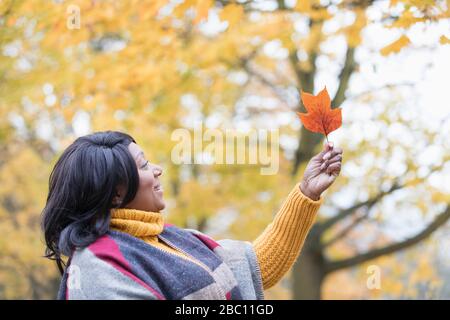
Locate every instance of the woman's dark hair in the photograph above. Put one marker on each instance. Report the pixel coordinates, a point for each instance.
(82, 187)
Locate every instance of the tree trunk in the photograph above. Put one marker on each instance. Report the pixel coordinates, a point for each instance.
(309, 270)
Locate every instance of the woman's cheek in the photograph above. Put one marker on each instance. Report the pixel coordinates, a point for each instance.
(146, 180)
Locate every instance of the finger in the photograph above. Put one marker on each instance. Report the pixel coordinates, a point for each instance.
(326, 148)
(327, 163)
(332, 153)
(337, 157)
(329, 145)
(334, 168)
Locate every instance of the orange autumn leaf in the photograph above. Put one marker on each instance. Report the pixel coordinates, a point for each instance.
(320, 117)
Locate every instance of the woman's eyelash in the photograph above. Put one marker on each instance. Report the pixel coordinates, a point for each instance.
(145, 165)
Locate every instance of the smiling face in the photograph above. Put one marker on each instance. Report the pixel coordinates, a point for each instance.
(149, 196)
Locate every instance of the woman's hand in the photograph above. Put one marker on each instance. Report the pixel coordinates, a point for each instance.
(321, 171)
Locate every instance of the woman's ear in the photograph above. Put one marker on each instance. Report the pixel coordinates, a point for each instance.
(118, 197)
(117, 200)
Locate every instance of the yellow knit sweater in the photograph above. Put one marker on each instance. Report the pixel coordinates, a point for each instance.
(277, 247)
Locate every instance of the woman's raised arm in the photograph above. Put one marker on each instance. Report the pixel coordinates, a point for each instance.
(279, 245)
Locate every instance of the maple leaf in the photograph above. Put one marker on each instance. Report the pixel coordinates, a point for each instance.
(320, 117)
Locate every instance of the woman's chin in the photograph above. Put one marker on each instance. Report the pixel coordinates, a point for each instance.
(161, 205)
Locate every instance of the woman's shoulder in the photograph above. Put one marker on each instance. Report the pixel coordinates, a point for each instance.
(102, 265)
(104, 248)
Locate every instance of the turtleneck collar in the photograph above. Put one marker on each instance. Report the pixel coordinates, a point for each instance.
(138, 223)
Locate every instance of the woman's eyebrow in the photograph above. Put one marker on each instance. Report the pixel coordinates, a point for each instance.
(139, 154)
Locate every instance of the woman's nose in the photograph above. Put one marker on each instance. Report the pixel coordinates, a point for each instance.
(157, 171)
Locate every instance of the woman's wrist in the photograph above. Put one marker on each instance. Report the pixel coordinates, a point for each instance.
(307, 192)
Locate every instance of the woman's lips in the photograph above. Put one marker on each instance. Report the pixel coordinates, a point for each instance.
(158, 189)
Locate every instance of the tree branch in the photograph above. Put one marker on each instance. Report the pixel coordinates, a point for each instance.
(8, 10)
(395, 186)
(375, 253)
(307, 140)
(386, 86)
(344, 77)
(347, 229)
(249, 6)
(346, 212)
(281, 5)
(304, 79)
(276, 90)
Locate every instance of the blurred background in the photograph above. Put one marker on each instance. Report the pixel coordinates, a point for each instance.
(68, 68)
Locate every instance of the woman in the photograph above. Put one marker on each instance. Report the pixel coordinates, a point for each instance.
(103, 212)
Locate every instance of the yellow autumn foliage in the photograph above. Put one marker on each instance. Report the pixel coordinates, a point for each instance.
(395, 46)
(148, 68)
